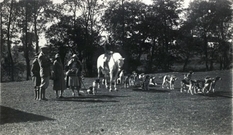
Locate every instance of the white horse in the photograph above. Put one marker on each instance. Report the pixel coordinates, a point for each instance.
(115, 64)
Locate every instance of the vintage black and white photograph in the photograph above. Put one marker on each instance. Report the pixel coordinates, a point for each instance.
(116, 67)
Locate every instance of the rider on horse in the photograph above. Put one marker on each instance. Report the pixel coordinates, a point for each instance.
(107, 51)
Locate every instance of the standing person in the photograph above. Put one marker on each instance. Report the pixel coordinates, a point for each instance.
(74, 74)
(35, 72)
(45, 71)
(58, 76)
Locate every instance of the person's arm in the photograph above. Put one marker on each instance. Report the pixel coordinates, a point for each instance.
(55, 70)
(69, 63)
(44, 62)
(33, 68)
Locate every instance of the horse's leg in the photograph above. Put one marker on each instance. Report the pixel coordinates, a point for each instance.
(110, 81)
(98, 86)
(115, 83)
(106, 82)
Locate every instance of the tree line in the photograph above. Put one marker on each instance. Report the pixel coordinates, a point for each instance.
(164, 31)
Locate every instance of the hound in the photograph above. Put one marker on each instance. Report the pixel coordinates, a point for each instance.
(198, 85)
(121, 77)
(210, 84)
(186, 84)
(188, 76)
(126, 82)
(152, 81)
(93, 89)
(133, 78)
(129, 80)
(146, 82)
(141, 79)
(168, 80)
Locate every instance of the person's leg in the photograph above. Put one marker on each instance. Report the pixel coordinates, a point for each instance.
(61, 93)
(43, 86)
(56, 91)
(43, 93)
(40, 94)
(78, 89)
(62, 87)
(35, 92)
(79, 84)
(73, 93)
(36, 81)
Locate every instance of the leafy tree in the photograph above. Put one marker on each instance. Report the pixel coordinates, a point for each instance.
(9, 62)
(164, 23)
(81, 33)
(222, 29)
(35, 15)
(61, 40)
(42, 13)
(211, 20)
(131, 32)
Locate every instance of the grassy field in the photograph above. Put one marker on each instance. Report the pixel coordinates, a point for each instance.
(126, 112)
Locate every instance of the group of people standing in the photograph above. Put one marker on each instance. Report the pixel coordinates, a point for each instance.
(43, 68)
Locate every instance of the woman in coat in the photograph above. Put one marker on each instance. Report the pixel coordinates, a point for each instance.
(58, 76)
(74, 74)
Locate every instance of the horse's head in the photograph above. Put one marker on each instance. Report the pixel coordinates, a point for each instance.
(120, 63)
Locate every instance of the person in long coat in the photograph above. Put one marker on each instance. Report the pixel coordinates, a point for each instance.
(35, 72)
(74, 74)
(45, 71)
(58, 76)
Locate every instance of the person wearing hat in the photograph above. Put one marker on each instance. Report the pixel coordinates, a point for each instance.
(74, 74)
(35, 72)
(58, 76)
(45, 71)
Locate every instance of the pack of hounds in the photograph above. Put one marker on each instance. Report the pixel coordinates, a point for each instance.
(143, 81)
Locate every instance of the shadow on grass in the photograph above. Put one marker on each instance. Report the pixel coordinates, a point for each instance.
(226, 94)
(96, 96)
(9, 115)
(91, 98)
(152, 90)
(73, 99)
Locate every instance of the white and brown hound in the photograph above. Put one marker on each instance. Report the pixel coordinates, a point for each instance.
(93, 89)
(152, 81)
(186, 85)
(210, 84)
(188, 76)
(168, 80)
